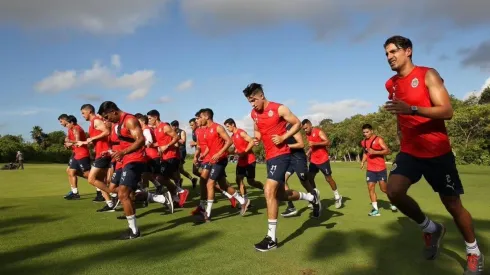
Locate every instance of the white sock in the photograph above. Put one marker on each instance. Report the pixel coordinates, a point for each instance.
(239, 198)
(272, 229)
(375, 205)
(109, 203)
(428, 226)
(132, 223)
(336, 194)
(472, 248)
(209, 207)
(74, 190)
(157, 198)
(306, 196)
(226, 194)
(114, 195)
(156, 183)
(98, 190)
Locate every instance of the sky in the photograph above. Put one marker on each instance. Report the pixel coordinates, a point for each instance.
(322, 58)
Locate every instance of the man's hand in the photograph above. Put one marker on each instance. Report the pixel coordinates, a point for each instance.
(164, 148)
(362, 165)
(277, 139)
(371, 151)
(118, 155)
(398, 107)
(256, 141)
(215, 158)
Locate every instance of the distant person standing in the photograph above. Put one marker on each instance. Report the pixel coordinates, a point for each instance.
(20, 160)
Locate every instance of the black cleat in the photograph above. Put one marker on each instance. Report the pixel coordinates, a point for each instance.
(128, 235)
(317, 206)
(98, 197)
(266, 244)
(106, 209)
(289, 212)
(73, 196)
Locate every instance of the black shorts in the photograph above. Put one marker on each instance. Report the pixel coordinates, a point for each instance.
(246, 171)
(324, 168)
(440, 172)
(154, 165)
(374, 177)
(298, 165)
(102, 163)
(169, 167)
(116, 176)
(113, 165)
(82, 164)
(196, 166)
(277, 167)
(131, 174)
(206, 166)
(218, 169)
(183, 155)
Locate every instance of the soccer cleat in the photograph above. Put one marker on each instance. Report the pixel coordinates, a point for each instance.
(266, 244)
(197, 210)
(68, 194)
(98, 197)
(183, 197)
(73, 196)
(194, 183)
(168, 202)
(106, 209)
(233, 202)
(474, 264)
(433, 242)
(317, 206)
(393, 208)
(129, 235)
(310, 205)
(374, 213)
(338, 203)
(245, 207)
(289, 212)
(202, 217)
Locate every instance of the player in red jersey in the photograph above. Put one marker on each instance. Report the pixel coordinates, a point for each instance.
(166, 138)
(181, 144)
(62, 119)
(374, 152)
(270, 121)
(319, 159)
(80, 162)
(418, 97)
(245, 167)
(132, 155)
(99, 137)
(218, 142)
(193, 143)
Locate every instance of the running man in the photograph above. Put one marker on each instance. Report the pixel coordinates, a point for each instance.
(419, 99)
(375, 150)
(132, 155)
(319, 159)
(181, 144)
(193, 144)
(62, 119)
(270, 120)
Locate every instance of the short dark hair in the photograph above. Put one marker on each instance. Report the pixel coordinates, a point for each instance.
(305, 121)
(71, 119)
(192, 120)
(154, 113)
(175, 123)
(367, 126)
(230, 121)
(106, 107)
(89, 107)
(400, 42)
(252, 89)
(198, 113)
(142, 117)
(63, 116)
(208, 112)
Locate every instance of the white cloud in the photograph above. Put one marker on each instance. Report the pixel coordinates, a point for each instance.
(26, 111)
(139, 82)
(186, 85)
(164, 99)
(336, 111)
(90, 97)
(478, 93)
(116, 61)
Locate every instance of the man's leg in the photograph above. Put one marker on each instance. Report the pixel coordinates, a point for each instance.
(371, 185)
(131, 175)
(381, 177)
(326, 169)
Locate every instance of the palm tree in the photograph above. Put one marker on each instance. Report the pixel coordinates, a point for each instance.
(39, 137)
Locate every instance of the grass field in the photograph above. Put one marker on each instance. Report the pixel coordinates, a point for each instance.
(41, 233)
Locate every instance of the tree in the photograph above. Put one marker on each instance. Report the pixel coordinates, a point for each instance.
(485, 96)
(39, 137)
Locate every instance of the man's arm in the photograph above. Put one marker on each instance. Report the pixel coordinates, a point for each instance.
(183, 137)
(148, 138)
(228, 142)
(133, 125)
(257, 134)
(439, 97)
(292, 119)
(248, 139)
(325, 141)
(101, 126)
(175, 138)
(299, 142)
(385, 150)
(364, 159)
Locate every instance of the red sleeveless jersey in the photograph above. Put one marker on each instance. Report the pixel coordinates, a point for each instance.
(100, 145)
(319, 154)
(82, 151)
(269, 123)
(126, 140)
(215, 142)
(201, 141)
(375, 163)
(420, 137)
(241, 144)
(151, 152)
(163, 139)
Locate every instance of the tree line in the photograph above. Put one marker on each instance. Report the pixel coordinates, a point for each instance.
(469, 131)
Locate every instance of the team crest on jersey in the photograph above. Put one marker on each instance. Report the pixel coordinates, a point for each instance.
(271, 113)
(415, 83)
(211, 130)
(237, 135)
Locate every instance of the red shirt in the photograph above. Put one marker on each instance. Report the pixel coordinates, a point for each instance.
(82, 151)
(269, 123)
(163, 140)
(126, 140)
(215, 142)
(241, 144)
(114, 143)
(100, 145)
(151, 152)
(201, 142)
(375, 163)
(319, 154)
(420, 137)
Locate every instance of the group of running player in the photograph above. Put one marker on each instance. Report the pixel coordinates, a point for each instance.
(142, 148)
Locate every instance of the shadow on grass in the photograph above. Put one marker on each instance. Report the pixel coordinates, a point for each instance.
(16, 224)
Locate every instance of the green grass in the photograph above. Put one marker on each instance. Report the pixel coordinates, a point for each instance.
(41, 233)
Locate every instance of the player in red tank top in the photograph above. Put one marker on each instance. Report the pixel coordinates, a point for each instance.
(374, 152)
(62, 119)
(132, 154)
(218, 142)
(165, 140)
(421, 103)
(270, 121)
(245, 167)
(319, 160)
(79, 164)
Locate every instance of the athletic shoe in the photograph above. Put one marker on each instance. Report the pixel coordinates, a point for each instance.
(183, 197)
(374, 213)
(73, 196)
(338, 203)
(433, 242)
(233, 202)
(168, 202)
(128, 235)
(317, 206)
(245, 207)
(474, 264)
(266, 244)
(106, 209)
(289, 212)
(68, 194)
(393, 208)
(98, 197)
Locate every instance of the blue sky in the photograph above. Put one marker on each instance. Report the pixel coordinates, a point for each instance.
(178, 57)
